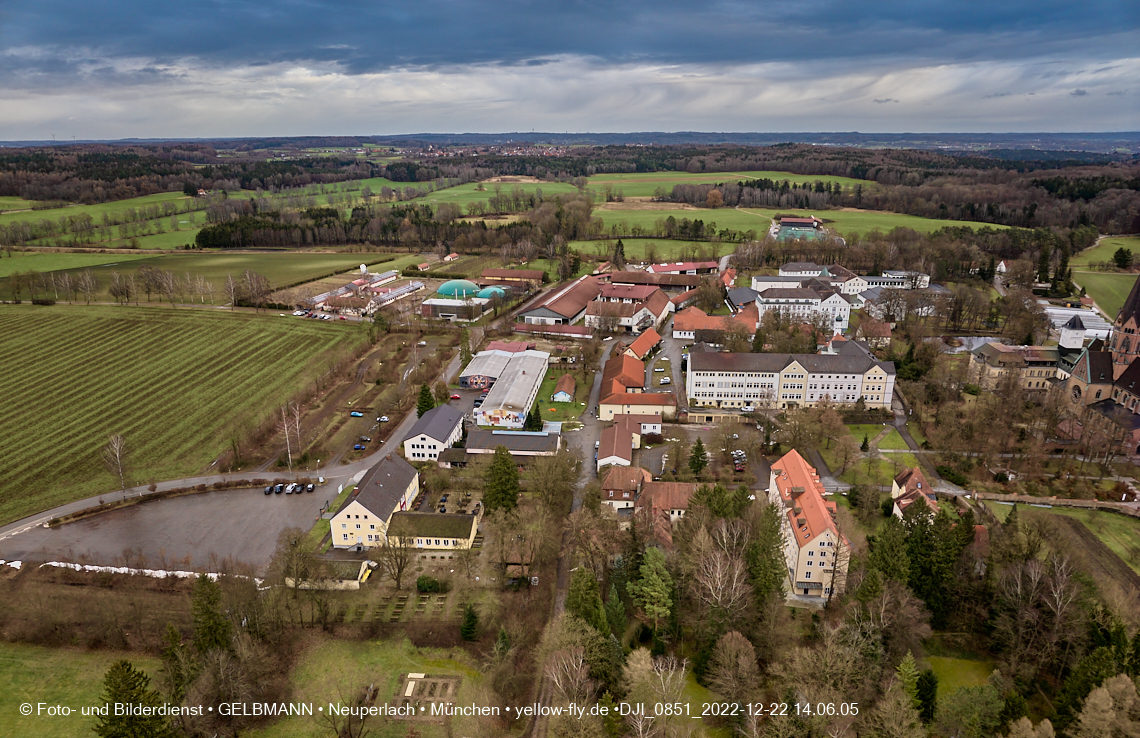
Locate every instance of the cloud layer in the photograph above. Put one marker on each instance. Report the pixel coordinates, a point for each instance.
(99, 70)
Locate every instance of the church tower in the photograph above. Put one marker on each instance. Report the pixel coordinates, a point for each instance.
(1072, 334)
(1125, 344)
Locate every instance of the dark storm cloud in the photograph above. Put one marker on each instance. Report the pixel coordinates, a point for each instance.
(370, 37)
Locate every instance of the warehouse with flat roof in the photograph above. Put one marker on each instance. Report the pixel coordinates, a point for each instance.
(514, 391)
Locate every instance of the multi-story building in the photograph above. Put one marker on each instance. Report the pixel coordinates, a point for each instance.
(790, 380)
(362, 521)
(436, 430)
(815, 552)
(1034, 366)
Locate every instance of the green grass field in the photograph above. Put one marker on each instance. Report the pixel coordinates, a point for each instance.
(57, 676)
(214, 266)
(1108, 289)
(636, 248)
(1119, 532)
(170, 381)
(954, 673)
(337, 670)
(893, 441)
(465, 193)
(42, 261)
(759, 220)
(644, 184)
(1104, 250)
(562, 410)
(95, 211)
(15, 203)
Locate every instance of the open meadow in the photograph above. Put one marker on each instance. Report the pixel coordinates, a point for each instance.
(645, 184)
(465, 193)
(47, 261)
(1104, 249)
(844, 222)
(173, 383)
(1109, 289)
(665, 248)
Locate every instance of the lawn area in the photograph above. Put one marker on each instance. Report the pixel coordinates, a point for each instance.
(43, 261)
(1104, 250)
(999, 509)
(320, 529)
(644, 184)
(15, 203)
(666, 249)
(281, 269)
(954, 673)
(174, 383)
(57, 676)
(759, 219)
(879, 472)
(870, 430)
(334, 671)
(916, 433)
(562, 410)
(1108, 289)
(551, 268)
(893, 441)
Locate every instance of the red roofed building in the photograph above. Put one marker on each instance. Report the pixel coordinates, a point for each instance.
(645, 343)
(692, 320)
(564, 304)
(660, 505)
(564, 388)
(815, 552)
(622, 485)
(663, 404)
(622, 373)
(615, 448)
(728, 278)
(512, 347)
(876, 334)
(910, 487)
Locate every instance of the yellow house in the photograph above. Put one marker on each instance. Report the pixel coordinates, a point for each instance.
(434, 531)
(387, 488)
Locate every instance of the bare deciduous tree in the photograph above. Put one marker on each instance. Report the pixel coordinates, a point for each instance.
(397, 552)
(569, 674)
(115, 457)
(231, 290)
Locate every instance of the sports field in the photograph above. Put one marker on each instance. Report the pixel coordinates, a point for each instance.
(644, 184)
(280, 269)
(844, 222)
(1109, 289)
(170, 381)
(1104, 250)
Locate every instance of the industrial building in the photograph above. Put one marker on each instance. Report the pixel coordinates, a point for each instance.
(514, 391)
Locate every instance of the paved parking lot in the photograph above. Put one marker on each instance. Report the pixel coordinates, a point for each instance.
(241, 523)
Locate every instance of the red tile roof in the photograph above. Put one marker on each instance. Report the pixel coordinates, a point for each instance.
(695, 319)
(809, 515)
(625, 479)
(644, 343)
(615, 442)
(636, 292)
(729, 277)
(570, 299)
(566, 383)
(624, 369)
(513, 347)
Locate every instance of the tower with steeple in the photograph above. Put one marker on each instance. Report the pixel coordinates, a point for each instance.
(1125, 342)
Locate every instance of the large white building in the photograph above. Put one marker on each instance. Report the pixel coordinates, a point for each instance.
(515, 390)
(804, 304)
(789, 380)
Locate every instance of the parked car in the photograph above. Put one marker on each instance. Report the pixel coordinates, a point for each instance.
(456, 397)
(279, 489)
(366, 439)
(356, 414)
(358, 447)
(747, 409)
(666, 380)
(658, 368)
(289, 489)
(320, 480)
(478, 403)
(310, 488)
(269, 490)
(382, 419)
(422, 343)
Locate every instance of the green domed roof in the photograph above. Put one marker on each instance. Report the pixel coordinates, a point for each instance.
(458, 288)
(492, 291)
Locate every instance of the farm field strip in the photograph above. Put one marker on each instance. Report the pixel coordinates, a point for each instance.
(1104, 250)
(41, 261)
(198, 377)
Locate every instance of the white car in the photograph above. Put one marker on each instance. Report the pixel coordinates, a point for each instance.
(666, 380)
(382, 419)
(747, 409)
(658, 368)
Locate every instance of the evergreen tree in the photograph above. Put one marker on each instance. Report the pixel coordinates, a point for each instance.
(177, 667)
(889, 550)
(866, 445)
(533, 419)
(698, 459)
(211, 627)
(758, 342)
(927, 690)
(765, 555)
(619, 255)
(1122, 258)
(1090, 672)
(124, 683)
(426, 401)
(502, 643)
(585, 601)
(501, 482)
(615, 611)
(612, 722)
(653, 591)
(469, 629)
(907, 672)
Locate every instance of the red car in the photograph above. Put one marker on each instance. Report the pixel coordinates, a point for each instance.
(456, 397)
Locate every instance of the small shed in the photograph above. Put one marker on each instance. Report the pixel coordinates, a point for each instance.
(565, 388)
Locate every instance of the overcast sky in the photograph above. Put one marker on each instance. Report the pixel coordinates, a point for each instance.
(212, 68)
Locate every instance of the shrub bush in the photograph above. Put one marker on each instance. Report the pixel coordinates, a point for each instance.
(953, 475)
(427, 584)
